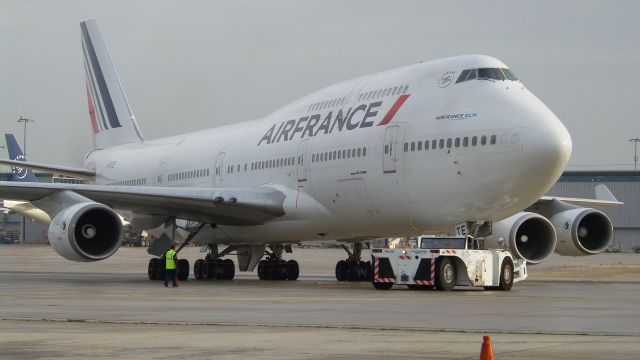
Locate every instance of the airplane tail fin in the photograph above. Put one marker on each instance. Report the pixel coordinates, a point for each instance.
(112, 120)
(15, 153)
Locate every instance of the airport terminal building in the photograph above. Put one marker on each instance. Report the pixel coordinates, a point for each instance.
(625, 185)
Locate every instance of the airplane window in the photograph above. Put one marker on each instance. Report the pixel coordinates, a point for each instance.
(353, 153)
(472, 75)
(448, 142)
(359, 152)
(463, 76)
(434, 144)
(406, 88)
(334, 155)
(426, 144)
(515, 138)
(238, 168)
(313, 158)
(364, 151)
(493, 140)
(406, 147)
(483, 140)
(419, 145)
(207, 172)
(339, 154)
(490, 73)
(379, 93)
(503, 138)
(330, 157)
(474, 141)
(509, 74)
(465, 141)
(395, 90)
(441, 143)
(386, 149)
(413, 146)
(457, 142)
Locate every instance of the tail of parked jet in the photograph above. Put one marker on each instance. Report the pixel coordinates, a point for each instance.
(111, 117)
(15, 153)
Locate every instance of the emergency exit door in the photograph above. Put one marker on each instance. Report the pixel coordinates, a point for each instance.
(302, 166)
(390, 150)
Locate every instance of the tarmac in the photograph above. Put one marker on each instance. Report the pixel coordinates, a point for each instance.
(569, 308)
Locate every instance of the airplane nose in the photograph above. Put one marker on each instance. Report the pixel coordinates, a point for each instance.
(547, 146)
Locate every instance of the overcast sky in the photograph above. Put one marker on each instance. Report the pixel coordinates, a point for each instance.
(189, 65)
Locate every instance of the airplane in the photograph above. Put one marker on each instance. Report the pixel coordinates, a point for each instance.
(455, 143)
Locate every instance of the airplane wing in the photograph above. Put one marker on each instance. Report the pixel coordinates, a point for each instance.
(225, 206)
(62, 170)
(604, 198)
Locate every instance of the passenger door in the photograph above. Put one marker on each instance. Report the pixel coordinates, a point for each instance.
(390, 150)
(301, 160)
(219, 166)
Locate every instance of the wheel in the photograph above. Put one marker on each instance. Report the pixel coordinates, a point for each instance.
(340, 272)
(208, 270)
(229, 269)
(183, 269)
(264, 270)
(382, 285)
(151, 269)
(197, 269)
(506, 275)
(279, 270)
(293, 270)
(363, 271)
(445, 274)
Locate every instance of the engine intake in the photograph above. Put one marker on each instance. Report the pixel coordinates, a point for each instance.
(582, 231)
(86, 232)
(528, 236)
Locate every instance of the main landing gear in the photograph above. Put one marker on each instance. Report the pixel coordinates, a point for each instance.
(156, 269)
(353, 269)
(213, 267)
(275, 268)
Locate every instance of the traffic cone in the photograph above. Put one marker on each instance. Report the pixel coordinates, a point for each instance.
(486, 352)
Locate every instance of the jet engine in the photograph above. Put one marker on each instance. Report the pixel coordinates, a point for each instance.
(582, 231)
(86, 231)
(528, 236)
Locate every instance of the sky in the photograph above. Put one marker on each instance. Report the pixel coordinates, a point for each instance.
(190, 65)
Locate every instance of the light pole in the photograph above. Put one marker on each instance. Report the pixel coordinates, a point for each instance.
(635, 153)
(24, 138)
(23, 238)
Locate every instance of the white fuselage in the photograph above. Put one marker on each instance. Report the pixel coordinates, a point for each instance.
(392, 186)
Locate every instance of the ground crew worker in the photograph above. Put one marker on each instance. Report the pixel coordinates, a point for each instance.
(171, 257)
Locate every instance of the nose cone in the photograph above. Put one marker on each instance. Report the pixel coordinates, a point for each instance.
(547, 146)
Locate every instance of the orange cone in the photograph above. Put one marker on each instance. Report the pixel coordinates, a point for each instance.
(486, 352)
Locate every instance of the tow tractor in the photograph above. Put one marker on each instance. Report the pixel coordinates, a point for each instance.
(446, 262)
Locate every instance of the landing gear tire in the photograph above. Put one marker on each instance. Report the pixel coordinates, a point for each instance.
(228, 269)
(445, 274)
(278, 270)
(506, 275)
(155, 270)
(293, 270)
(353, 270)
(197, 269)
(183, 269)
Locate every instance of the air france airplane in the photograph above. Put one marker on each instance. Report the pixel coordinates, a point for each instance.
(427, 148)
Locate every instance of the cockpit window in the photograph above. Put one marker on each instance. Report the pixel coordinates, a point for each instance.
(510, 75)
(489, 73)
(486, 74)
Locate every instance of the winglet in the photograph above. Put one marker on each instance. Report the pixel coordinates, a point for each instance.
(603, 193)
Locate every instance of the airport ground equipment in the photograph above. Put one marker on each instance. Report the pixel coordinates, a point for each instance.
(446, 262)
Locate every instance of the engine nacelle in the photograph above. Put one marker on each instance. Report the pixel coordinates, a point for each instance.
(582, 231)
(86, 232)
(528, 236)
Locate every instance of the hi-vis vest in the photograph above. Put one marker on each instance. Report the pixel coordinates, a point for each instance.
(170, 255)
